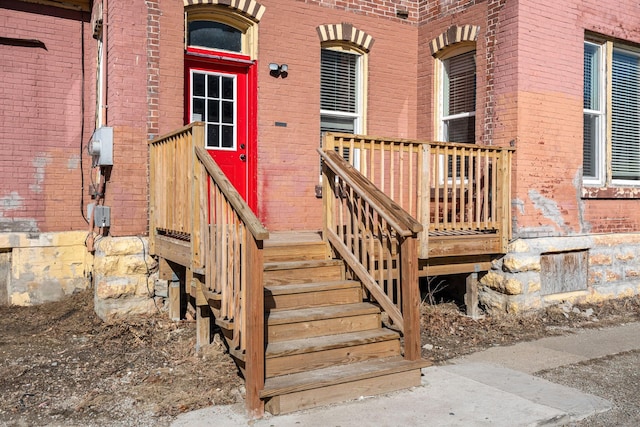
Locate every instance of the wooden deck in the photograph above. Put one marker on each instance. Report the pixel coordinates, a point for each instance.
(302, 312)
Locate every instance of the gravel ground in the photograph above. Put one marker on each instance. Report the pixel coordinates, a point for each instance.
(615, 378)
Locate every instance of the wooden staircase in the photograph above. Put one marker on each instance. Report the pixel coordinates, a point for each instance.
(323, 343)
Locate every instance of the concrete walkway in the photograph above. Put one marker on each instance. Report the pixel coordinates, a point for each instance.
(492, 387)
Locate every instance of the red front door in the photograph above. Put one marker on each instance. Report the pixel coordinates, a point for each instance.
(219, 93)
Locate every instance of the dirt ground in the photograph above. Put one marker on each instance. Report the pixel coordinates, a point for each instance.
(60, 365)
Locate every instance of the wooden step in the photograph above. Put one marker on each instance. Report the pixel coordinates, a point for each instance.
(285, 325)
(287, 272)
(304, 390)
(295, 246)
(314, 294)
(287, 357)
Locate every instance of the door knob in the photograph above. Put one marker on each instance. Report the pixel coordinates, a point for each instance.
(243, 157)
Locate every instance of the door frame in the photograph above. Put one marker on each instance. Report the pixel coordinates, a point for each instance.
(205, 57)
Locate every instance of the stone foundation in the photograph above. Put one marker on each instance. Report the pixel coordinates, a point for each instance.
(41, 267)
(543, 271)
(124, 274)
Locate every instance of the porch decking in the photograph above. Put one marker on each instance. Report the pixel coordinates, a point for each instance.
(302, 315)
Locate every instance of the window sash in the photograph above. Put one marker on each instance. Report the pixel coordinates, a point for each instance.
(458, 98)
(339, 81)
(625, 116)
(594, 117)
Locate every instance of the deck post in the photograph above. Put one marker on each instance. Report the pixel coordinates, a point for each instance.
(254, 315)
(203, 326)
(471, 295)
(410, 297)
(328, 187)
(165, 272)
(424, 194)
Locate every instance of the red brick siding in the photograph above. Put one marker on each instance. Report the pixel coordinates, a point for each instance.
(288, 165)
(41, 133)
(126, 190)
(427, 98)
(549, 138)
(376, 8)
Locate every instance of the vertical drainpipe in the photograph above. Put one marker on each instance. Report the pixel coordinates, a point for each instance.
(105, 64)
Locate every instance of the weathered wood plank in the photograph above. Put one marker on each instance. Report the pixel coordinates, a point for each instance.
(174, 250)
(322, 358)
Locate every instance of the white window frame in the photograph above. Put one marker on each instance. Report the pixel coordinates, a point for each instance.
(358, 116)
(605, 138)
(442, 75)
(206, 106)
(601, 119)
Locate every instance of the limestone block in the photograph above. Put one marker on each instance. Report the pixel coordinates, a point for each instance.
(612, 276)
(493, 280)
(534, 286)
(595, 277)
(513, 286)
(626, 256)
(616, 239)
(493, 302)
(111, 309)
(516, 263)
(116, 246)
(600, 259)
(20, 298)
(519, 245)
(115, 288)
(632, 273)
(507, 284)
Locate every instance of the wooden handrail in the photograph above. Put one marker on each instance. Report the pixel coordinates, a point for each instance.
(230, 238)
(170, 195)
(377, 240)
(403, 223)
(450, 187)
(245, 213)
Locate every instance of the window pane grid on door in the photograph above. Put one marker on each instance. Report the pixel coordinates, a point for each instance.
(214, 102)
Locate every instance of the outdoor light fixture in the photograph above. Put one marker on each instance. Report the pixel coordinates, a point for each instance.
(276, 70)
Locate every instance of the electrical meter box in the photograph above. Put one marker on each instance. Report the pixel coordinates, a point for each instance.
(101, 146)
(101, 215)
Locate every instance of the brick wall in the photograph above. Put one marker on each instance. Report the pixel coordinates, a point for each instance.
(377, 8)
(288, 164)
(41, 134)
(128, 112)
(427, 98)
(549, 140)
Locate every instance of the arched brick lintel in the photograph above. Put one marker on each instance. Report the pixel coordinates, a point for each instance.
(345, 33)
(249, 8)
(454, 34)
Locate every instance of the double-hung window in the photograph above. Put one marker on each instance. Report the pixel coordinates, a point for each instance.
(340, 91)
(594, 103)
(458, 98)
(611, 154)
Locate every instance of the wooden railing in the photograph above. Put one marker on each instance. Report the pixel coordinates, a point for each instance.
(451, 188)
(231, 238)
(170, 165)
(377, 239)
(192, 199)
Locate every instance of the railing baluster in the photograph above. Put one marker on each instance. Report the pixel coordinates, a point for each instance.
(454, 186)
(392, 173)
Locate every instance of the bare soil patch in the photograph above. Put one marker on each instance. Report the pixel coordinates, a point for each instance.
(60, 365)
